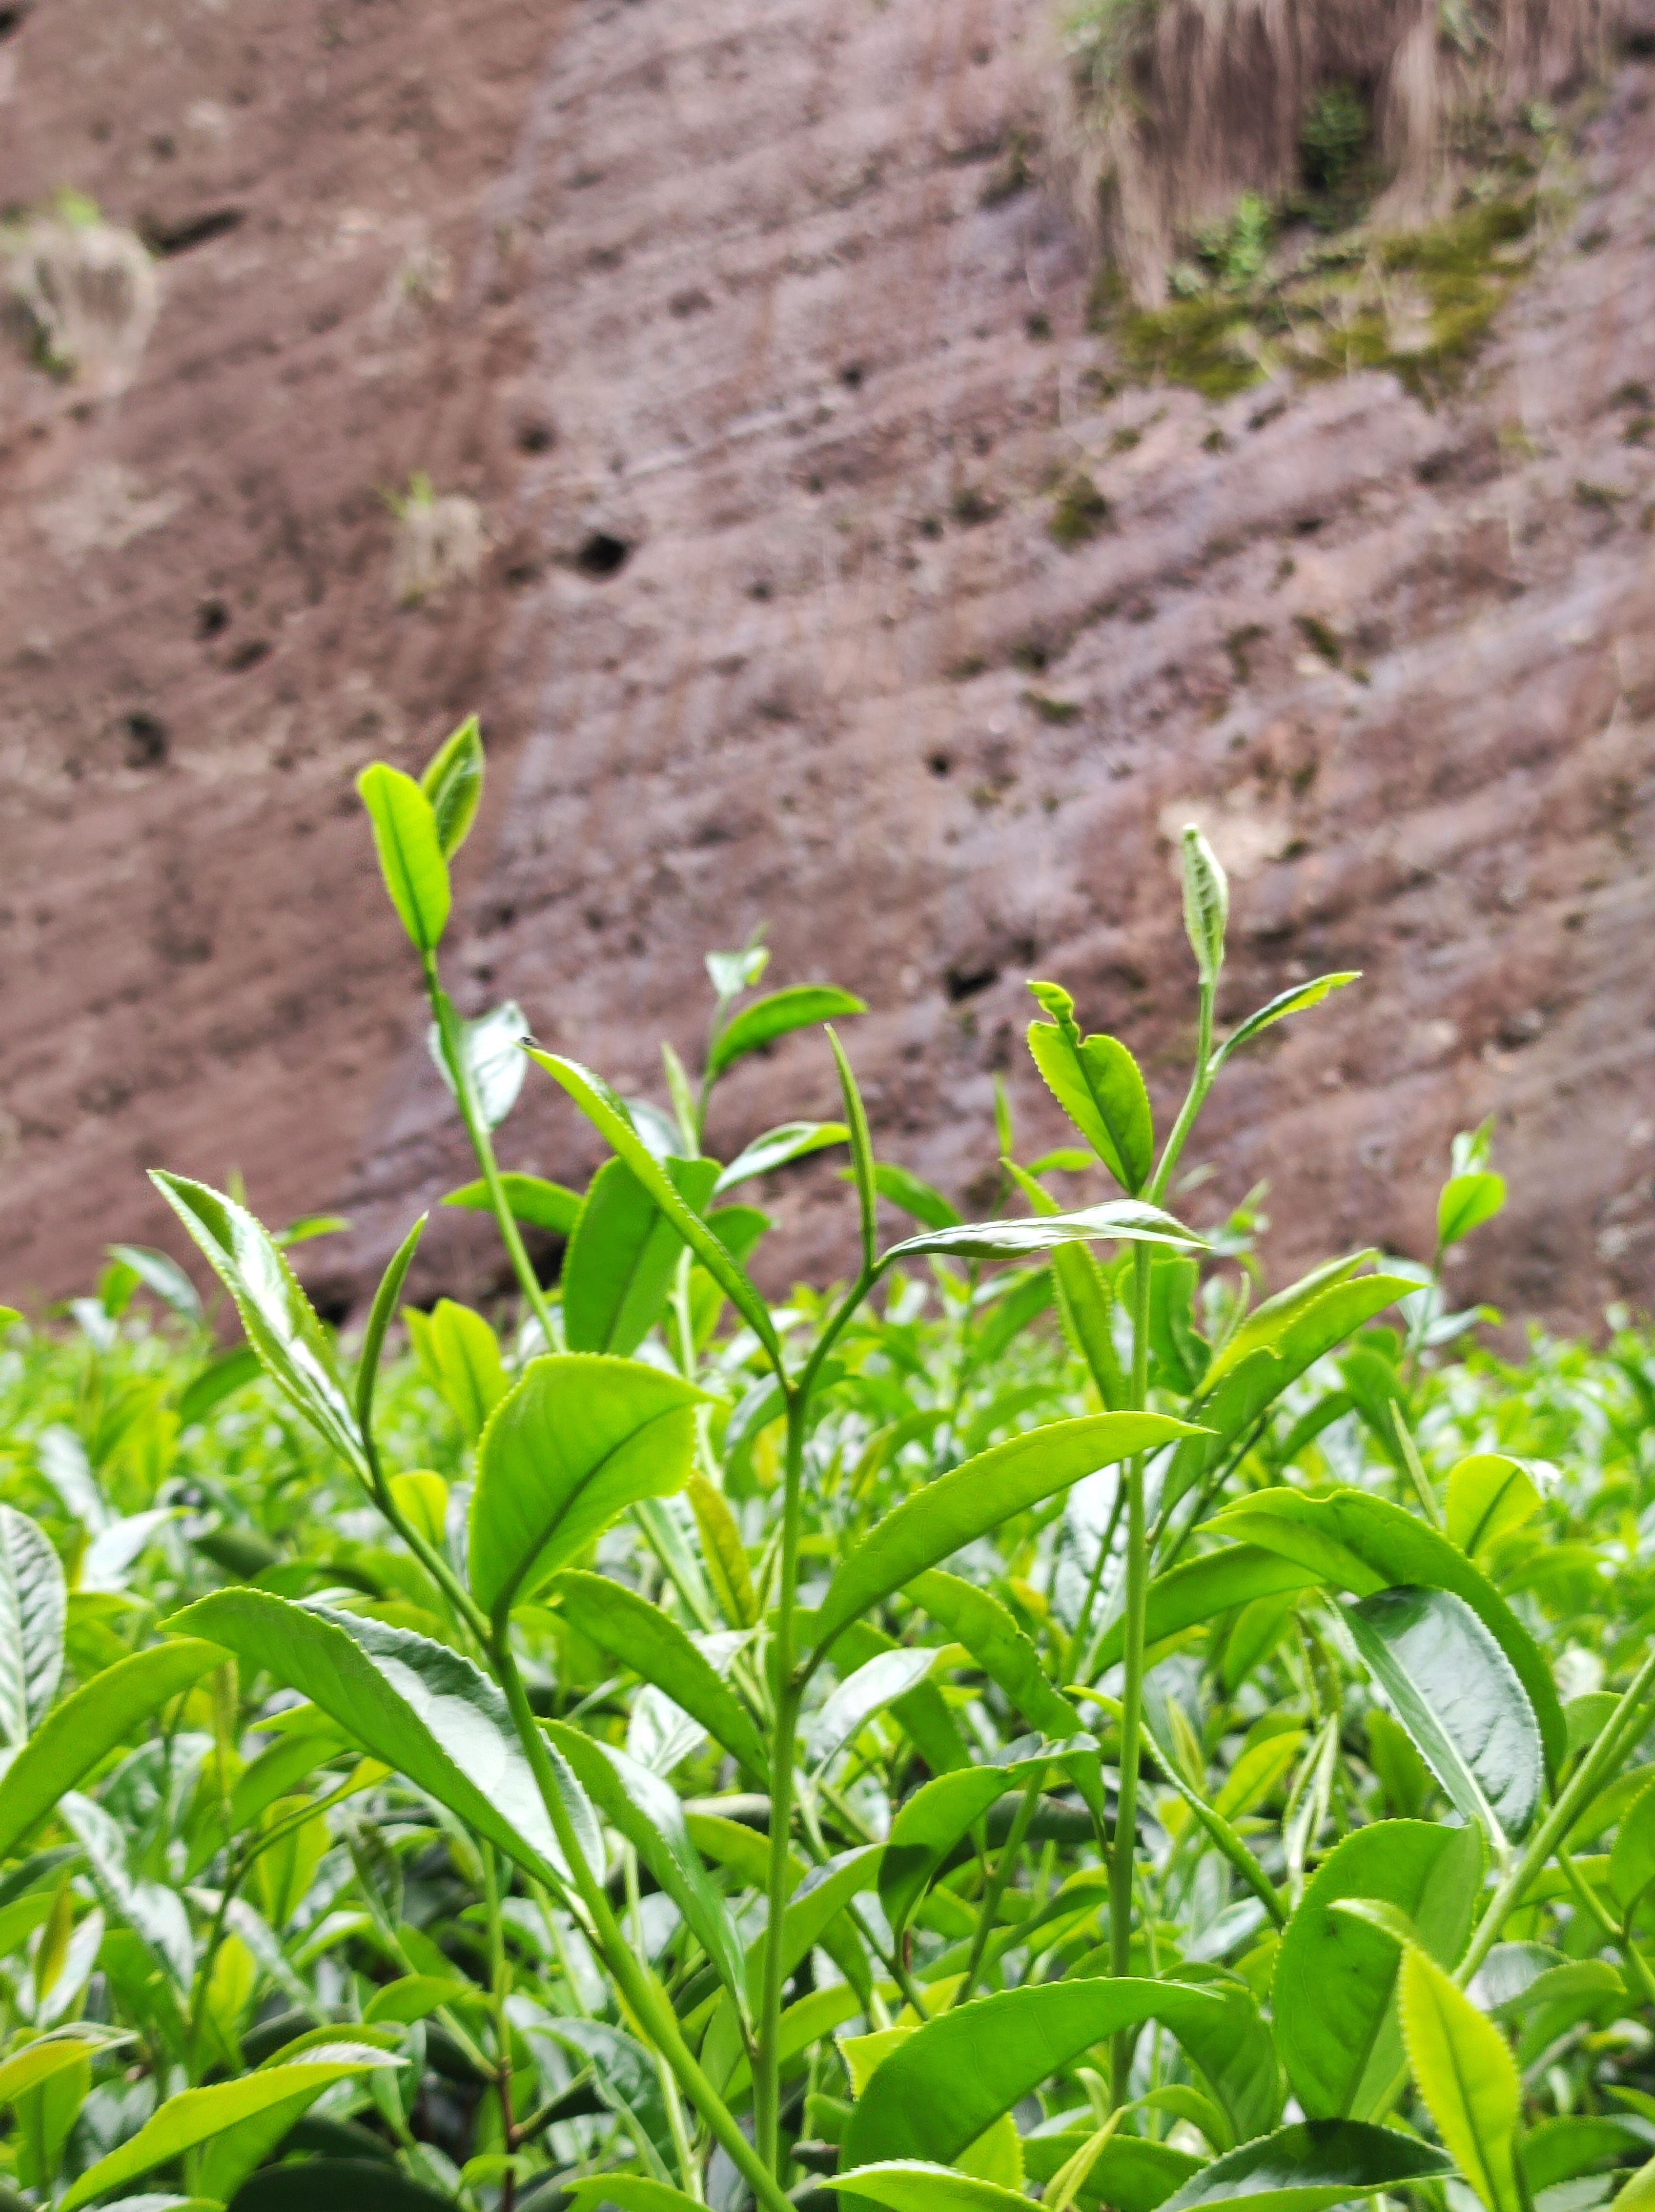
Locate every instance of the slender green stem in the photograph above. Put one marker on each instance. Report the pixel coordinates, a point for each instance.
(1194, 1099)
(632, 1980)
(766, 2051)
(1554, 1828)
(995, 1888)
(1131, 1718)
(499, 1983)
(483, 1144)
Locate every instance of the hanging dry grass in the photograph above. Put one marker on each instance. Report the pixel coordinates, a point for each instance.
(1175, 108)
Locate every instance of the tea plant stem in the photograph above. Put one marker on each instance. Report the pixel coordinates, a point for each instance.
(448, 1023)
(995, 1888)
(1554, 1829)
(1194, 1099)
(632, 1980)
(1636, 1965)
(1131, 1716)
(766, 2055)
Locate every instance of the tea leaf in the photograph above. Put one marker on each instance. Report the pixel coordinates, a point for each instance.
(533, 1201)
(1467, 2077)
(608, 1114)
(452, 782)
(33, 1608)
(1312, 2166)
(1125, 1218)
(82, 1730)
(652, 1645)
(1206, 902)
(649, 1815)
(1488, 1496)
(420, 1707)
(617, 1272)
(406, 838)
(953, 2078)
(799, 1006)
(281, 1327)
(913, 2185)
(490, 1049)
(197, 2116)
(1336, 1978)
(1458, 1695)
(790, 1140)
(970, 1500)
(1296, 1000)
(1467, 1202)
(578, 1438)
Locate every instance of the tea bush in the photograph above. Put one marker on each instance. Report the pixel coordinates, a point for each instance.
(1048, 1718)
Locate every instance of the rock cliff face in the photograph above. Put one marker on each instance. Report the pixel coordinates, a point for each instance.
(768, 370)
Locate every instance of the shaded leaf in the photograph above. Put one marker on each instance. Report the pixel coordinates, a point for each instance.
(533, 1200)
(617, 1272)
(33, 1608)
(1298, 1000)
(1127, 1219)
(1310, 2167)
(1458, 1695)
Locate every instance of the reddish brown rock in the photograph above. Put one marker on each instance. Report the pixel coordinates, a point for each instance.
(767, 381)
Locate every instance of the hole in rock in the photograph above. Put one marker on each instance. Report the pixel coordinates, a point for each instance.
(602, 556)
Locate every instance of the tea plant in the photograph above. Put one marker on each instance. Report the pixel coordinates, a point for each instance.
(1045, 1716)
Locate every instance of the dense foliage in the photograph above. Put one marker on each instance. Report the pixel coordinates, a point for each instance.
(1049, 1718)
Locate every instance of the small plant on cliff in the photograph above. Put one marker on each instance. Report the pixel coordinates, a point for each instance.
(701, 1749)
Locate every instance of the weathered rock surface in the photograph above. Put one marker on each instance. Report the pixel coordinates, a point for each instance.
(764, 376)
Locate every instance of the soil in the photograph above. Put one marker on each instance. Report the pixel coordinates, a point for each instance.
(828, 584)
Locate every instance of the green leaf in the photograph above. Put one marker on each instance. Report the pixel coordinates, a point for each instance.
(1233, 2051)
(415, 1705)
(409, 846)
(1488, 1496)
(722, 1552)
(1310, 2167)
(629, 2192)
(1467, 1202)
(798, 1007)
(491, 1049)
(1125, 1218)
(161, 1274)
(461, 1355)
(1362, 1543)
(533, 1200)
(915, 2184)
(33, 1608)
(1561, 2149)
(864, 1693)
(978, 1619)
(609, 1117)
(651, 1644)
(1268, 1327)
(37, 2061)
(218, 1379)
(1336, 2023)
(617, 1272)
(915, 1196)
(789, 1140)
(577, 1440)
(379, 1321)
(1632, 1860)
(954, 2077)
(195, 2116)
(1099, 1085)
(649, 1815)
(1129, 2175)
(1206, 902)
(965, 1503)
(1467, 2076)
(1298, 1000)
(813, 1907)
(280, 1324)
(335, 2185)
(1458, 1695)
(1202, 1588)
(926, 1830)
(82, 1730)
(452, 782)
